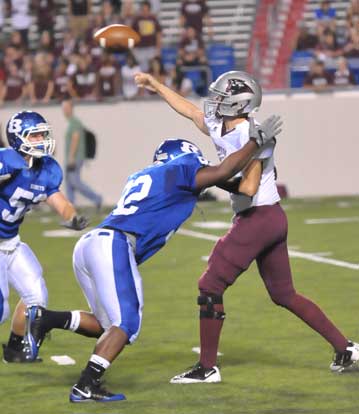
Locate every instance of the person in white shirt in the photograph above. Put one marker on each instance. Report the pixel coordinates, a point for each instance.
(259, 230)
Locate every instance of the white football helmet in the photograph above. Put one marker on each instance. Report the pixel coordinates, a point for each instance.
(233, 94)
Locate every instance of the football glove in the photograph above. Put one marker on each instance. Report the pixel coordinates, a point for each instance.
(265, 131)
(77, 223)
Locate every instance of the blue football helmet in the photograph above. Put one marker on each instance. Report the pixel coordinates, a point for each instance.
(21, 126)
(173, 148)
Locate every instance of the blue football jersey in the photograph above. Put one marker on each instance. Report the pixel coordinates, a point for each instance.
(156, 201)
(26, 186)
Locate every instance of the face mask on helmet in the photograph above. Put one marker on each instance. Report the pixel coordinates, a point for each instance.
(233, 94)
(29, 133)
(173, 148)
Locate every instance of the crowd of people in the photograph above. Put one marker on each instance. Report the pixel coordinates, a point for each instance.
(331, 45)
(72, 64)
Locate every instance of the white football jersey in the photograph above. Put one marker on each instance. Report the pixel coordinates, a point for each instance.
(234, 140)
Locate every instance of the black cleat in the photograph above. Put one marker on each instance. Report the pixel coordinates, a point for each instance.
(93, 393)
(35, 331)
(12, 356)
(198, 374)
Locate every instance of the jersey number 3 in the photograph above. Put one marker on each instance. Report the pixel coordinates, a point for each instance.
(128, 196)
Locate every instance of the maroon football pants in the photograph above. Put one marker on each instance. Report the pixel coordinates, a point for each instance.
(258, 234)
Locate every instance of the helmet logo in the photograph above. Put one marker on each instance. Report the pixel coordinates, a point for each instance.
(236, 86)
(15, 125)
(189, 147)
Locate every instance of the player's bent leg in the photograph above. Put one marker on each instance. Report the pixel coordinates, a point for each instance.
(113, 284)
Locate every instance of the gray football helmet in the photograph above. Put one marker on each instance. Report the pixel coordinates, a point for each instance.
(233, 94)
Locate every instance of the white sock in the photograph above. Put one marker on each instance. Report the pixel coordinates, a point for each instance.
(75, 321)
(96, 359)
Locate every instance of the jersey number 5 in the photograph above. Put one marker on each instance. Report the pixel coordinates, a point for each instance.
(20, 206)
(128, 196)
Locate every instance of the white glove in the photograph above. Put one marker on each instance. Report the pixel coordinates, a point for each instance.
(267, 130)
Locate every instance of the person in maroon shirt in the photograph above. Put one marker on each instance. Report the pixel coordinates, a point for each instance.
(195, 13)
(41, 87)
(318, 78)
(13, 87)
(108, 78)
(147, 25)
(83, 83)
(343, 76)
(45, 11)
(61, 80)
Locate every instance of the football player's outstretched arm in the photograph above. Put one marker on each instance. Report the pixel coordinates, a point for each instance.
(230, 166)
(67, 211)
(177, 102)
(248, 183)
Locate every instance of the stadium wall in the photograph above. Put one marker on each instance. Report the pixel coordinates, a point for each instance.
(316, 155)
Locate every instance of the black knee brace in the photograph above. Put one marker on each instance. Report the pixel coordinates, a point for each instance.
(210, 313)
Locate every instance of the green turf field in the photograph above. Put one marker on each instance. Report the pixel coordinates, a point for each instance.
(272, 362)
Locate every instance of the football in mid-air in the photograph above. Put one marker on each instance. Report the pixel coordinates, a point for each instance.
(117, 37)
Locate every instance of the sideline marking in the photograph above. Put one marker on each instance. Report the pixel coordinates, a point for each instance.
(332, 220)
(63, 360)
(292, 253)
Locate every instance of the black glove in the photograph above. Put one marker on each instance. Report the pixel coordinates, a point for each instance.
(77, 223)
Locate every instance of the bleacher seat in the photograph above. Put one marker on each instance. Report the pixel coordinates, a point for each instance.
(220, 59)
(169, 55)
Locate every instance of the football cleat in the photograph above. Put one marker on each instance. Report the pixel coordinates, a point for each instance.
(13, 356)
(34, 332)
(93, 393)
(198, 374)
(347, 360)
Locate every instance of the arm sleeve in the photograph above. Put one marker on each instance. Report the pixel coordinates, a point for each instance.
(11, 161)
(54, 176)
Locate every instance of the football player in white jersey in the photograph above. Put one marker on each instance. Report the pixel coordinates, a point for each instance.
(259, 230)
(28, 176)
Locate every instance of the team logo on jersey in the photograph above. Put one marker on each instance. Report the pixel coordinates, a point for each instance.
(37, 187)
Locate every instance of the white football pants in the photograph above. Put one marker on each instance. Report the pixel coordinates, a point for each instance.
(21, 269)
(106, 269)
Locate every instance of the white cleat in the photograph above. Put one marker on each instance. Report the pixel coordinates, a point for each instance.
(347, 360)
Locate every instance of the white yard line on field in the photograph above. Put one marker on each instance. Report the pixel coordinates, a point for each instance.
(332, 220)
(292, 253)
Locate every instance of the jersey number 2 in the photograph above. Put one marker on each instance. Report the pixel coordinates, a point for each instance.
(123, 206)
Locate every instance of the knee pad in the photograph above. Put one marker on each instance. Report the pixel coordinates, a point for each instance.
(210, 312)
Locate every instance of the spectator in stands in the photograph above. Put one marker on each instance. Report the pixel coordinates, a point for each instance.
(46, 42)
(79, 11)
(116, 6)
(191, 52)
(351, 50)
(127, 13)
(108, 79)
(20, 18)
(83, 83)
(13, 55)
(68, 45)
(109, 17)
(318, 78)
(195, 13)
(61, 80)
(45, 12)
(353, 10)
(16, 40)
(13, 88)
(326, 15)
(157, 69)
(129, 87)
(41, 87)
(149, 28)
(327, 46)
(305, 40)
(343, 76)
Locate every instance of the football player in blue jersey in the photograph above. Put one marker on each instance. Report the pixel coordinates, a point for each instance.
(28, 176)
(153, 205)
